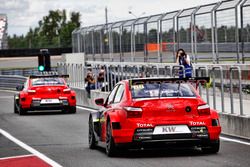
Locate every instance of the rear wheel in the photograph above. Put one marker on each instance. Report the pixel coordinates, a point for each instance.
(92, 141)
(110, 144)
(213, 148)
(22, 111)
(15, 105)
(69, 110)
(73, 109)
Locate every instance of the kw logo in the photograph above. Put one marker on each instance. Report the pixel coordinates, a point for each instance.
(168, 129)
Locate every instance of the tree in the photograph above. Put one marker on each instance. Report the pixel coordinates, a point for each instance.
(54, 30)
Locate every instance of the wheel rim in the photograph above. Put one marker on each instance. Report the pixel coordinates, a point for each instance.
(108, 138)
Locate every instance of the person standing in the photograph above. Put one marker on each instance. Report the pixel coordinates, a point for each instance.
(183, 59)
(90, 81)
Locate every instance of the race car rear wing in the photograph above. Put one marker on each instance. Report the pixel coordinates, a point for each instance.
(192, 80)
(49, 76)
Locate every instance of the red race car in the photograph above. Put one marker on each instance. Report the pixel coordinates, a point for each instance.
(153, 113)
(45, 92)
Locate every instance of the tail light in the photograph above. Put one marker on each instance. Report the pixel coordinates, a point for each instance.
(66, 90)
(133, 112)
(203, 110)
(31, 91)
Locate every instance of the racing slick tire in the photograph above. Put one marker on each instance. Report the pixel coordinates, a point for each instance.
(110, 144)
(69, 110)
(73, 109)
(213, 148)
(15, 106)
(22, 111)
(92, 140)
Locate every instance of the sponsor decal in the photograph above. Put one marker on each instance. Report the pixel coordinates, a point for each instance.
(197, 123)
(141, 86)
(144, 125)
(168, 129)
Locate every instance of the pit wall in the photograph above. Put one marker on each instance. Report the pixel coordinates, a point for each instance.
(83, 98)
(233, 125)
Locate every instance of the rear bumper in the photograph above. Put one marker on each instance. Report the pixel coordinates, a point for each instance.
(37, 105)
(199, 136)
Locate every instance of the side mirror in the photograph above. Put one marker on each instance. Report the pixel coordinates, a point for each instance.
(19, 87)
(99, 102)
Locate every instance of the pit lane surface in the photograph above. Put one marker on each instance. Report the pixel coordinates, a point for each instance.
(63, 138)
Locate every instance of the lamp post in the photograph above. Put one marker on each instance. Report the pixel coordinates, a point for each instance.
(130, 12)
(136, 17)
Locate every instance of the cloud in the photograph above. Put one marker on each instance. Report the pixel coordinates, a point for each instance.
(13, 5)
(23, 14)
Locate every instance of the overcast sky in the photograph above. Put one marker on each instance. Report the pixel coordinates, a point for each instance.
(23, 14)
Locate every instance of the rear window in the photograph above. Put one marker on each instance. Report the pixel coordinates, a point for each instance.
(152, 90)
(47, 81)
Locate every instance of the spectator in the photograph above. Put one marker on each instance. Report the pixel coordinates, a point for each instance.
(183, 59)
(100, 77)
(90, 81)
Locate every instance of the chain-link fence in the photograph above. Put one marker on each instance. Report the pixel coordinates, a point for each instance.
(216, 32)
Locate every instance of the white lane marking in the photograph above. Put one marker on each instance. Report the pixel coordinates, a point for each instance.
(84, 108)
(30, 149)
(235, 141)
(20, 156)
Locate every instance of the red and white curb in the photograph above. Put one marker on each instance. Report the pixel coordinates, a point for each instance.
(34, 153)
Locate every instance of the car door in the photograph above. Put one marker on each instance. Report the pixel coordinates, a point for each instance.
(103, 115)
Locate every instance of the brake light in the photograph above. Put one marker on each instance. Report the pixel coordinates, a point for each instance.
(133, 112)
(203, 110)
(31, 91)
(66, 90)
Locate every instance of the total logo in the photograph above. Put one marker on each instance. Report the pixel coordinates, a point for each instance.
(192, 123)
(144, 125)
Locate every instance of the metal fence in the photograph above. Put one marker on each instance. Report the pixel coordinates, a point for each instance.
(213, 32)
(224, 94)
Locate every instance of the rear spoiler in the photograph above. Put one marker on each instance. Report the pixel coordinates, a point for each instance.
(48, 76)
(195, 80)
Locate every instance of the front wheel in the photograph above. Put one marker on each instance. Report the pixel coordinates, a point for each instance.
(92, 141)
(213, 148)
(110, 144)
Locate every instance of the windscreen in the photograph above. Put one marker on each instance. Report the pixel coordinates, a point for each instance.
(153, 90)
(47, 81)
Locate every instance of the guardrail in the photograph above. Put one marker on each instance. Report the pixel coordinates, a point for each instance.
(10, 82)
(22, 71)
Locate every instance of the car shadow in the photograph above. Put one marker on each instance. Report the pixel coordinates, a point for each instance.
(155, 153)
(35, 113)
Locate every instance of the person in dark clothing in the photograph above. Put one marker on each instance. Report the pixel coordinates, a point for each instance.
(90, 81)
(183, 59)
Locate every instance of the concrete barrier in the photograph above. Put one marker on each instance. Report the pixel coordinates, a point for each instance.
(233, 125)
(83, 98)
